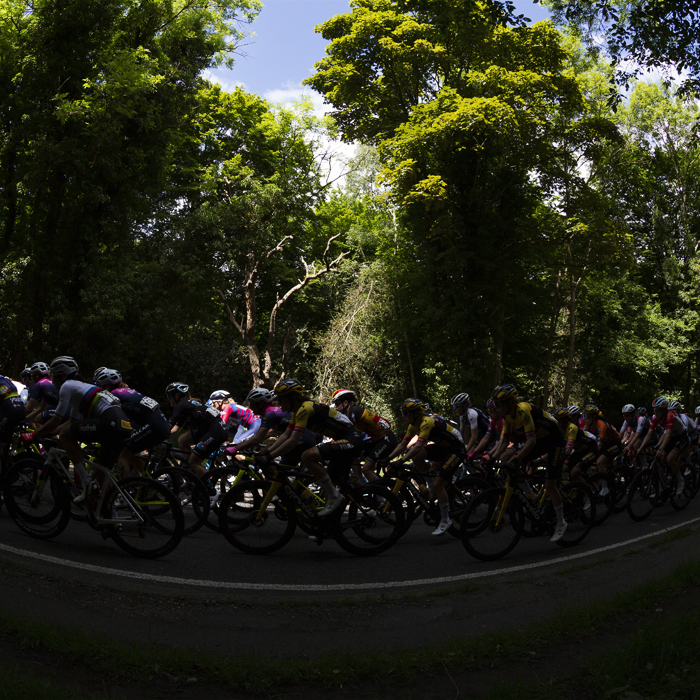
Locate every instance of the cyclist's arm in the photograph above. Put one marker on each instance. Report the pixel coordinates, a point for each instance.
(49, 428)
(31, 417)
(255, 440)
(472, 439)
(286, 442)
(483, 444)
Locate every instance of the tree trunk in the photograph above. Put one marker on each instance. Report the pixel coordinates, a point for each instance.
(572, 339)
(550, 340)
(500, 332)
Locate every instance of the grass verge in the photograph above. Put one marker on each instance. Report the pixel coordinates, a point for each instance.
(257, 674)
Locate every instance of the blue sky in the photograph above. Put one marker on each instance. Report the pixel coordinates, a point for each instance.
(285, 47)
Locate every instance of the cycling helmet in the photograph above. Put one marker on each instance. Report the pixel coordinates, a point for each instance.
(260, 394)
(675, 406)
(697, 410)
(40, 368)
(288, 387)
(503, 392)
(561, 413)
(64, 364)
(628, 408)
(660, 403)
(342, 395)
(26, 374)
(412, 405)
(591, 409)
(177, 388)
(220, 395)
(642, 411)
(105, 376)
(459, 399)
(574, 410)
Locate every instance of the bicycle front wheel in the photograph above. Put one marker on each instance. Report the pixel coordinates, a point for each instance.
(255, 523)
(372, 520)
(487, 533)
(460, 495)
(580, 506)
(147, 517)
(42, 510)
(223, 479)
(643, 490)
(689, 473)
(190, 492)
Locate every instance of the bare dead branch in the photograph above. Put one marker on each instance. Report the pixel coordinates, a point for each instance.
(231, 317)
(278, 248)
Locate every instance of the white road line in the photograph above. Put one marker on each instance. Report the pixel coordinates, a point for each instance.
(290, 588)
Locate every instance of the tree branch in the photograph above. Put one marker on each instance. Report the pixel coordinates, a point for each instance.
(278, 248)
(231, 317)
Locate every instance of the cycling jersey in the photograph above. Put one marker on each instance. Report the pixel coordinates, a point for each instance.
(603, 431)
(78, 400)
(495, 427)
(44, 390)
(577, 438)
(8, 390)
(436, 430)
(198, 416)
(475, 419)
(689, 425)
(234, 415)
(639, 425)
(275, 419)
(672, 422)
(323, 419)
(371, 424)
(12, 411)
(138, 407)
(529, 421)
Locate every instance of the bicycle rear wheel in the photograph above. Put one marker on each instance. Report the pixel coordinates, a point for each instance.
(460, 495)
(250, 527)
(190, 492)
(579, 512)
(223, 479)
(645, 487)
(487, 534)
(372, 520)
(603, 504)
(40, 510)
(689, 473)
(147, 516)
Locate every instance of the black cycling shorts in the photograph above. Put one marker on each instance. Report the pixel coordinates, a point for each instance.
(678, 443)
(209, 442)
(154, 431)
(12, 415)
(375, 450)
(445, 458)
(111, 429)
(552, 446)
(340, 455)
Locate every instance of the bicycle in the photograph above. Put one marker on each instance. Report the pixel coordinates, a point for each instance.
(497, 518)
(142, 516)
(260, 517)
(655, 484)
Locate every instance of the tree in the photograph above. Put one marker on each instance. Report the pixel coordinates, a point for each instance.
(91, 99)
(659, 34)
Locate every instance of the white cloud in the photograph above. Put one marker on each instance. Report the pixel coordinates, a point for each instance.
(223, 78)
(293, 92)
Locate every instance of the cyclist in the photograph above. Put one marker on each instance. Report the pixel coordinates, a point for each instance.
(206, 434)
(493, 432)
(689, 423)
(85, 413)
(608, 439)
(342, 449)
(542, 435)
(445, 452)
(380, 438)
(273, 421)
(43, 395)
(240, 421)
(636, 424)
(151, 427)
(581, 448)
(469, 417)
(673, 441)
(12, 415)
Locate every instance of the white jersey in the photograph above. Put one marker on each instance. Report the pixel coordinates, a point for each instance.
(79, 400)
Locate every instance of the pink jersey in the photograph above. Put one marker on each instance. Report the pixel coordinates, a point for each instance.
(234, 415)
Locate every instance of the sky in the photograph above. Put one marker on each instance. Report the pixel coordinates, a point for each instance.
(285, 47)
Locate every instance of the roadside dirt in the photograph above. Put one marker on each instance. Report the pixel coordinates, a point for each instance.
(282, 627)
